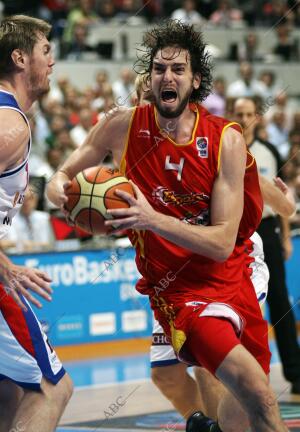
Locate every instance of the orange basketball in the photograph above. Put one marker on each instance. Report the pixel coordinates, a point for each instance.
(92, 193)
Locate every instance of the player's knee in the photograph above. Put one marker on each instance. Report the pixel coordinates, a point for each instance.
(67, 389)
(165, 378)
(60, 393)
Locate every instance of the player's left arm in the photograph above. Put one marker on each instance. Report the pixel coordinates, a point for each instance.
(215, 241)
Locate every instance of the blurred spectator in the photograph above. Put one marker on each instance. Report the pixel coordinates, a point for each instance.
(286, 47)
(80, 132)
(247, 50)
(78, 47)
(187, 13)
(128, 11)
(295, 186)
(247, 86)
(106, 10)
(293, 161)
(57, 124)
(31, 230)
(278, 133)
(124, 87)
(272, 12)
(216, 100)
(82, 14)
(281, 103)
(225, 15)
(268, 78)
(65, 143)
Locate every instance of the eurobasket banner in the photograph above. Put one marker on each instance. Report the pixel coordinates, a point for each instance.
(94, 296)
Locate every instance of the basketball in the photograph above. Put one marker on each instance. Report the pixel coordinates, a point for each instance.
(92, 193)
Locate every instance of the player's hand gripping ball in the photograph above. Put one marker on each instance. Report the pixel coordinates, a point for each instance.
(91, 194)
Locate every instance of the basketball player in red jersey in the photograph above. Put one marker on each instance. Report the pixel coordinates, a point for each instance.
(185, 221)
(34, 387)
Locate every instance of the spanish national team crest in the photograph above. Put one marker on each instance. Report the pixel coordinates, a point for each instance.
(202, 146)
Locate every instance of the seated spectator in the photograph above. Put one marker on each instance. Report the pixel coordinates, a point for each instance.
(31, 229)
(286, 47)
(216, 100)
(278, 134)
(248, 49)
(65, 143)
(225, 15)
(247, 86)
(80, 132)
(127, 12)
(268, 78)
(282, 102)
(57, 124)
(124, 87)
(79, 47)
(187, 13)
(82, 14)
(106, 10)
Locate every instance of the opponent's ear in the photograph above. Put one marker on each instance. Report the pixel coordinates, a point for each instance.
(196, 81)
(18, 57)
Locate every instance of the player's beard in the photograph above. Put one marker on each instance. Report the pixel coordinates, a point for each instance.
(35, 85)
(167, 112)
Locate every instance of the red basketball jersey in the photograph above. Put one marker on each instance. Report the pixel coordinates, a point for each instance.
(177, 180)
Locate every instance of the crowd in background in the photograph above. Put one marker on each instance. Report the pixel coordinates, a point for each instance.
(73, 19)
(62, 119)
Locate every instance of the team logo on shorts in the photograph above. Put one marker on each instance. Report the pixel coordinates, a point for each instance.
(202, 147)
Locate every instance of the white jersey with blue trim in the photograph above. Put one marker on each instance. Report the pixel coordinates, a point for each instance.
(13, 182)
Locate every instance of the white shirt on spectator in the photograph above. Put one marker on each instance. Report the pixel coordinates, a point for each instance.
(35, 228)
(78, 135)
(240, 89)
(182, 15)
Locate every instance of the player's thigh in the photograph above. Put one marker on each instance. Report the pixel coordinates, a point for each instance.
(244, 377)
(10, 393)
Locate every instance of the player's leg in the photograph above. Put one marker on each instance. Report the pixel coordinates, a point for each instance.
(214, 344)
(171, 376)
(40, 411)
(10, 397)
(27, 359)
(244, 377)
(211, 391)
(178, 387)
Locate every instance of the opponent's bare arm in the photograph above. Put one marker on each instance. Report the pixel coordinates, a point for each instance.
(108, 134)
(215, 241)
(14, 136)
(278, 196)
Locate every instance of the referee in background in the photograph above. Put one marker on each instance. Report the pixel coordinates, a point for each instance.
(275, 234)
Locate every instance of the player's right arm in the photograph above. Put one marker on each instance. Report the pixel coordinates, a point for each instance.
(278, 196)
(108, 135)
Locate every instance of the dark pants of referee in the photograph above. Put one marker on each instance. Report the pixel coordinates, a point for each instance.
(281, 313)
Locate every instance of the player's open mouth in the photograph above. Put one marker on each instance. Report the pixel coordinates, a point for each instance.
(168, 96)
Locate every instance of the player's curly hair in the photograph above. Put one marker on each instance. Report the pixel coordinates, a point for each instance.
(173, 33)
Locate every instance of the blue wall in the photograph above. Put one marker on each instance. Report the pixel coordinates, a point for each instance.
(109, 307)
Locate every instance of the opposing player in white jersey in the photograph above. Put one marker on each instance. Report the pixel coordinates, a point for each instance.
(34, 387)
(168, 373)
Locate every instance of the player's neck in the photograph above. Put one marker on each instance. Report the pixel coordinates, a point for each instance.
(18, 88)
(180, 128)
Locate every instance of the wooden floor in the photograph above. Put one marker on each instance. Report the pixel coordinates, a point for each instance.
(141, 397)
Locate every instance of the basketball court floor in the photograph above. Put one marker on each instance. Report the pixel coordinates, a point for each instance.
(116, 395)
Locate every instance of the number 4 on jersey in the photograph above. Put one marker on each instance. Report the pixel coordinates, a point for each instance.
(174, 166)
